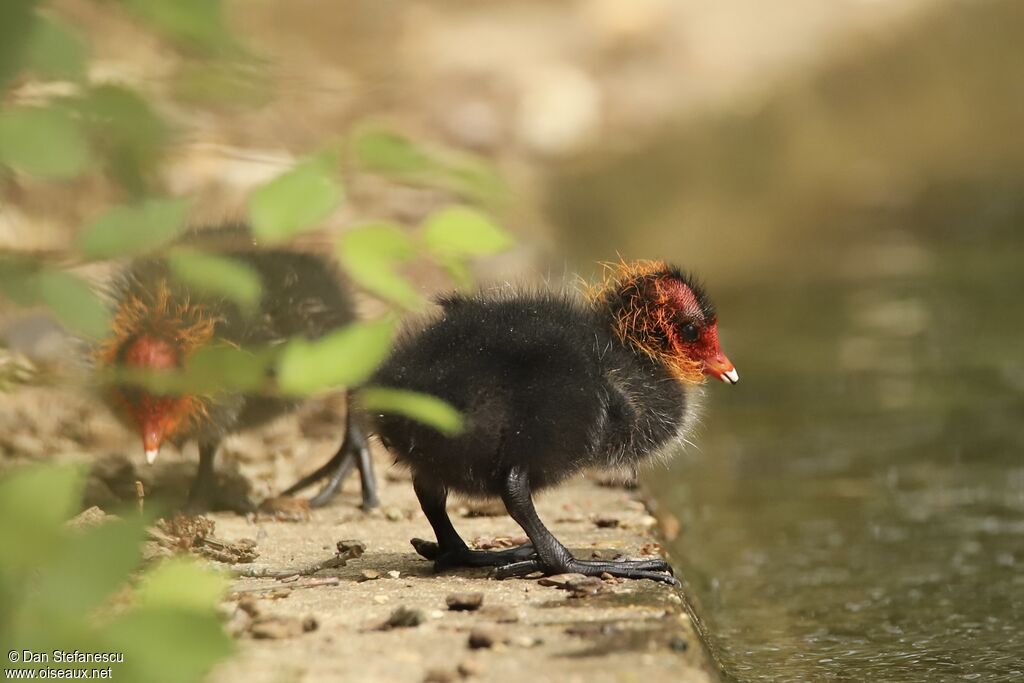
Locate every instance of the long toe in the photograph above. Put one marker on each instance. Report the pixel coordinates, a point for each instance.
(426, 549)
(656, 570)
(464, 557)
(326, 494)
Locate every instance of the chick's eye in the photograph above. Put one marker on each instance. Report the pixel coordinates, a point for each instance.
(690, 332)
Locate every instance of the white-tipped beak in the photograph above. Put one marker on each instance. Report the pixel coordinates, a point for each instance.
(151, 456)
(730, 377)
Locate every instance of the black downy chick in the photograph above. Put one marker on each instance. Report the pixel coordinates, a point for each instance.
(550, 384)
(158, 322)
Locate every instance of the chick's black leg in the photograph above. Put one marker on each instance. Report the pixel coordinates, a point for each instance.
(552, 556)
(354, 451)
(450, 550)
(206, 494)
(367, 479)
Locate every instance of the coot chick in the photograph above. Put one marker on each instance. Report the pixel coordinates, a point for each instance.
(550, 384)
(158, 322)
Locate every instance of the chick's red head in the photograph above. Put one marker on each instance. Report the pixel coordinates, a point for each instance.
(155, 331)
(156, 416)
(667, 314)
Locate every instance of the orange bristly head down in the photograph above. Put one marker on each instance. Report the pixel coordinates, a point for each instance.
(152, 331)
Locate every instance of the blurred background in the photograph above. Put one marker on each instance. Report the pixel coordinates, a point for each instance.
(847, 178)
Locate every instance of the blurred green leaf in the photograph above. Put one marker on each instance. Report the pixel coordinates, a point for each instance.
(475, 179)
(369, 254)
(130, 230)
(58, 584)
(73, 302)
(18, 280)
(164, 644)
(424, 408)
(43, 142)
(126, 131)
(56, 51)
(343, 358)
(459, 272)
(16, 28)
(34, 503)
(297, 200)
(388, 152)
(217, 275)
(180, 582)
(90, 565)
(226, 368)
(461, 231)
(197, 25)
(222, 83)
(210, 370)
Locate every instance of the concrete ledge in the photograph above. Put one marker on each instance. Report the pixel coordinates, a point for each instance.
(524, 632)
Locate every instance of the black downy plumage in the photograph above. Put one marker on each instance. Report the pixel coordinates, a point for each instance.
(550, 384)
(159, 321)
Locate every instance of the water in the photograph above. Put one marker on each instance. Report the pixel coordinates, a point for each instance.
(856, 509)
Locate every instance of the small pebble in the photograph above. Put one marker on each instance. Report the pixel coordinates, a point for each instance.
(502, 614)
(369, 575)
(470, 667)
(394, 574)
(394, 514)
(678, 643)
(605, 554)
(480, 639)
(464, 602)
(380, 599)
(276, 628)
(403, 617)
(439, 676)
(559, 580)
(351, 548)
(603, 522)
(526, 641)
(588, 585)
(648, 522)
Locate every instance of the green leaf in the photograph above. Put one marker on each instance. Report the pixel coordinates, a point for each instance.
(73, 302)
(56, 51)
(126, 132)
(225, 84)
(164, 644)
(460, 231)
(34, 503)
(210, 370)
(180, 582)
(130, 230)
(387, 152)
(343, 358)
(44, 142)
(198, 25)
(297, 200)
(91, 564)
(18, 280)
(424, 408)
(217, 275)
(17, 19)
(369, 254)
(226, 368)
(475, 179)
(459, 272)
